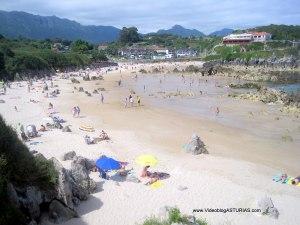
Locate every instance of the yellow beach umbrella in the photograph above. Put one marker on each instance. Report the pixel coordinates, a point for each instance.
(146, 160)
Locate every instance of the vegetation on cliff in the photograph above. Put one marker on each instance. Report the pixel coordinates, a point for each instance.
(20, 168)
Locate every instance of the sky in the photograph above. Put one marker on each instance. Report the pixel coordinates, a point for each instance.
(151, 15)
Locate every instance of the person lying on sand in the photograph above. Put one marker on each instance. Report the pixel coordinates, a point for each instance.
(88, 140)
(42, 128)
(103, 135)
(147, 177)
(296, 180)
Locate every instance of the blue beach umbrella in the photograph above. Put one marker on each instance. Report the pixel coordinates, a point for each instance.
(106, 163)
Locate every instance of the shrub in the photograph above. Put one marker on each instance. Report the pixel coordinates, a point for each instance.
(192, 69)
(246, 85)
(174, 216)
(143, 71)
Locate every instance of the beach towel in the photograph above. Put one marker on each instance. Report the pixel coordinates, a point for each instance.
(156, 184)
(86, 128)
(287, 180)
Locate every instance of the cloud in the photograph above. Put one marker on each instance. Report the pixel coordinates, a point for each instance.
(150, 15)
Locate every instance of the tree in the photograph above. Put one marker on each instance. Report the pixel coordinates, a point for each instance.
(129, 35)
(99, 56)
(81, 46)
(2, 61)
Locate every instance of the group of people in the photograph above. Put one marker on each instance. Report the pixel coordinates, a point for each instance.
(76, 111)
(102, 136)
(130, 101)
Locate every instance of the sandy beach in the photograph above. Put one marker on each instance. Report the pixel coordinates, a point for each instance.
(245, 143)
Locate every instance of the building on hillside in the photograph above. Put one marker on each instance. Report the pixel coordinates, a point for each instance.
(186, 53)
(260, 36)
(237, 39)
(102, 47)
(246, 38)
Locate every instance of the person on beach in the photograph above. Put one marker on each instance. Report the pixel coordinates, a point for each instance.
(217, 111)
(77, 111)
(126, 102)
(147, 177)
(131, 100)
(16, 109)
(102, 98)
(42, 128)
(74, 111)
(138, 100)
(296, 180)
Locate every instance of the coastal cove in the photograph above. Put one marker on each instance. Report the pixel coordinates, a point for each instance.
(245, 141)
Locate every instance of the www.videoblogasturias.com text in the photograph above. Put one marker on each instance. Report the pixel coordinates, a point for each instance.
(227, 210)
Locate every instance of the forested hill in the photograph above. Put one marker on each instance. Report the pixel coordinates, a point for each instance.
(280, 32)
(15, 24)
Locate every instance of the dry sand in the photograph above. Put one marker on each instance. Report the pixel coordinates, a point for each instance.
(237, 172)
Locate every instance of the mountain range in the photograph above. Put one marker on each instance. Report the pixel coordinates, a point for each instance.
(222, 33)
(178, 30)
(14, 24)
(21, 24)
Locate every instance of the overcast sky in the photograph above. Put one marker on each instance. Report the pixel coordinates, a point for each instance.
(150, 15)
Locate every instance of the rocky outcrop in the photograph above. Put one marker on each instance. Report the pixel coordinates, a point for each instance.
(195, 146)
(69, 155)
(58, 213)
(285, 62)
(56, 203)
(64, 184)
(290, 102)
(88, 164)
(66, 129)
(81, 183)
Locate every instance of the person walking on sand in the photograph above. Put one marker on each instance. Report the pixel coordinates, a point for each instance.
(131, 100)
(77, 111)
(217, 111)
(102, 98)
(125, 103)
(138, 100)
(74, 111)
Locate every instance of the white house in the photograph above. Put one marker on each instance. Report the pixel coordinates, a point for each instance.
(246, 38)
(260, 36)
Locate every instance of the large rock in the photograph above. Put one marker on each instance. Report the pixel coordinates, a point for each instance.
(12, 195)
(195, 146)
(82, 184)
(59, 213)
(69, 155)
(88, 164)
(267, 207)
(64, 186)
(66, 129)
(30, 200)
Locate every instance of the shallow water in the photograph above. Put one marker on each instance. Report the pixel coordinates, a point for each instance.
(288, 88)
(200, 97)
